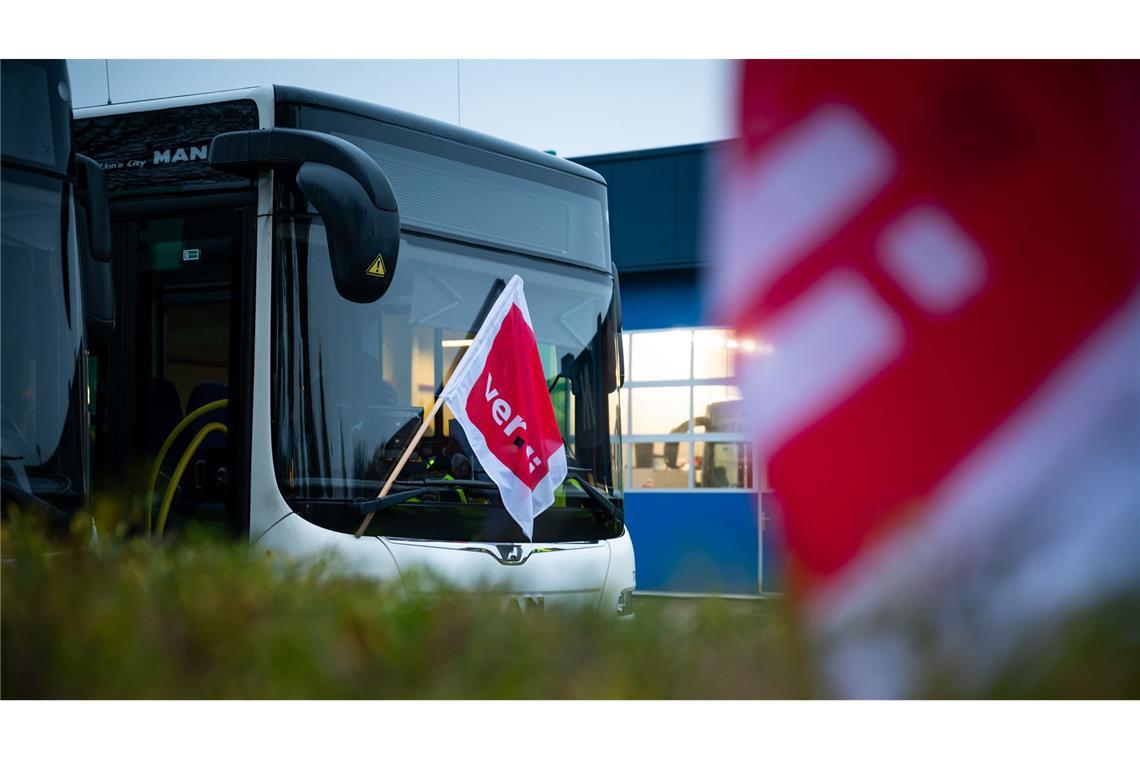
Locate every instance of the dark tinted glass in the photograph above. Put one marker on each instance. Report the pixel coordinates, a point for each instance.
(182, 314)
(35, 113)
(457, 191)
(43, 385)
(352, 382)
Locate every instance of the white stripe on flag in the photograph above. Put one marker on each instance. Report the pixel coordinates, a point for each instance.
(1041, 520)
(792, 197)
(826, 344)
(933, 259)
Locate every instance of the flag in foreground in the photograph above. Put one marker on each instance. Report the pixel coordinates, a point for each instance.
(945, 257)
(498, 395)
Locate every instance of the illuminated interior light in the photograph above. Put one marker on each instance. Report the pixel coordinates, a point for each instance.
(750, 346)
(458, 343)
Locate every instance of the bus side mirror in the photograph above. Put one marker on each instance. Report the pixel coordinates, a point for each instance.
(363, 241)
(93, 199)
(348, 189)
(615, 351)
(94, 227)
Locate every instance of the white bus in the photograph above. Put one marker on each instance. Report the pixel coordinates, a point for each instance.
(297, 274)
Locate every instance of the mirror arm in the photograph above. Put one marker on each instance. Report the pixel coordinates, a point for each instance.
(250, 151)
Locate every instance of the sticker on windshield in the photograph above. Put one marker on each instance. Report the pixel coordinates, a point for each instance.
(377, 268)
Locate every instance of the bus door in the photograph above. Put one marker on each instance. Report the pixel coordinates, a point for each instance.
(183, 366)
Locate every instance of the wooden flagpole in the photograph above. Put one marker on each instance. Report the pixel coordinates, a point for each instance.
(403, 461)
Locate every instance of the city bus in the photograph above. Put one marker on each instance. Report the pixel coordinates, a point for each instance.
(297, 274)
(56, 299)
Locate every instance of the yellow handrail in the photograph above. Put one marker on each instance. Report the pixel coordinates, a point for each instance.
(153, 479)
(181, 468)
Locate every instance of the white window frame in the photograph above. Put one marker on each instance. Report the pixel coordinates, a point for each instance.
(628, 438)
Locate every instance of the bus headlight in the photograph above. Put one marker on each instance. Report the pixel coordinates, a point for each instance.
(625, 602)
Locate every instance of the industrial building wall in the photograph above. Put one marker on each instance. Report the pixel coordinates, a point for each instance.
(695, 528)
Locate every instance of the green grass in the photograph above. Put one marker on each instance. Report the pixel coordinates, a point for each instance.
(208, 619)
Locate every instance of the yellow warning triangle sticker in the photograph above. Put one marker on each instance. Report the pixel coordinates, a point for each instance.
(377, 269)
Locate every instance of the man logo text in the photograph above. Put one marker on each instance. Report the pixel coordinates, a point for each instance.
(195, 153)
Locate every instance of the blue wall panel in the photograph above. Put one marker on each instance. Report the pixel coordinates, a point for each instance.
(694, 542)
(656, 300)
(773, 545)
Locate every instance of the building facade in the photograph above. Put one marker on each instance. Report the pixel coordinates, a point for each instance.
(695, 496)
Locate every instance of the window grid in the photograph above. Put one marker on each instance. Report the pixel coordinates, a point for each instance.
(692, 415)
(688, 438)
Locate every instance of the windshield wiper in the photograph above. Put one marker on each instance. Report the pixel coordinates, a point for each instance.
(414, 488)
(448, 483)
(602, 506)
(599, 503)
(366, 506)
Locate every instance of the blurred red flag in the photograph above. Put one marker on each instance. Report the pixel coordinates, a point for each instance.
(945, 257)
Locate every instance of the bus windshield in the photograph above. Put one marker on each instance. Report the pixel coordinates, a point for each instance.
(352, 381)
(43, 380)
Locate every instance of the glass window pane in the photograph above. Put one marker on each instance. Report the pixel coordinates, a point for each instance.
(654, 411)
(196, 344)
(714, 353)
(660, 355)
(626, 453)
(619, 412)
(473, 199)
(717, 408)
(659, 465)
(726, 464)
(626, 356)
(426, 376)
(617, 463)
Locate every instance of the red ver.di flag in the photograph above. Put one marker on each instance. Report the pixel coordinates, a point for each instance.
(498, 395)
(945, 256)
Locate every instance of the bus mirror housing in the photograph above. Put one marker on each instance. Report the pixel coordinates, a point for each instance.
(363, 241)
(94, 226)
(347, 188)
(93, 199)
